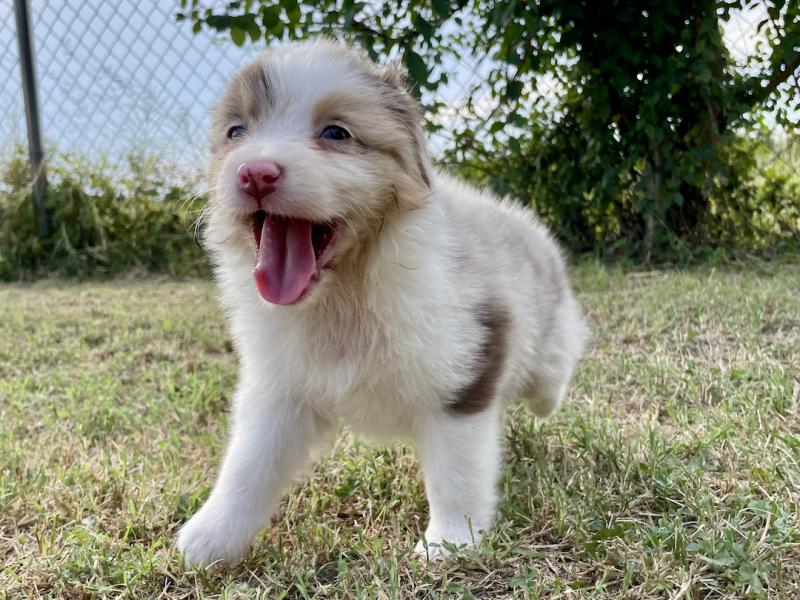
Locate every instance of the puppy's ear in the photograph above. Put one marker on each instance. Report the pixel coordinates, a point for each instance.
(407, 108)
(394, 76)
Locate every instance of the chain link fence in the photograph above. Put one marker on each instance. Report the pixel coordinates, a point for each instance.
(124, 77)
(116, 77)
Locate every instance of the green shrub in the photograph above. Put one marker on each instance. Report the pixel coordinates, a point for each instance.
(104, 221)
(107, 221)
(763, 210)
(751, 201)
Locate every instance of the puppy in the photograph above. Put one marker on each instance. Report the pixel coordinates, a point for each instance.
(362, 286)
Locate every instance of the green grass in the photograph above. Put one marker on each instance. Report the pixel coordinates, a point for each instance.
(673, 471)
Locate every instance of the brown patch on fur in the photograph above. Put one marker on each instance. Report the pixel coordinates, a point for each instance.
(334, 107)
(246, 102)
(400, 135)
(476, 396)
(255, 91)
(407, 111)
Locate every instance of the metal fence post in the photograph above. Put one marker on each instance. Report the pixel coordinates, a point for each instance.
(26, 65)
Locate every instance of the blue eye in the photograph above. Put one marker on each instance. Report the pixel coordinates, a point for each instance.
(236, 132)
(334, 132)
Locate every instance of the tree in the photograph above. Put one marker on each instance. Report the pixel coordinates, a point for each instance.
(637, 142)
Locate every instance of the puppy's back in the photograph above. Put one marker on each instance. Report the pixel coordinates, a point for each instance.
(505, 255)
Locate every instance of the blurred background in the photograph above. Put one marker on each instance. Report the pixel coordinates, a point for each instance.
(646, 131)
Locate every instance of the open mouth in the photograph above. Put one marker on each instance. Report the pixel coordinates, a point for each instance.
(291, 252)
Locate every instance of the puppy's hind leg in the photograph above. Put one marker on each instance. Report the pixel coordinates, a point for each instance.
(544, 397)
(460, 457)
(559, 355)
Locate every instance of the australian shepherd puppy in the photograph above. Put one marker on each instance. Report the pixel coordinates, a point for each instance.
(364, 287)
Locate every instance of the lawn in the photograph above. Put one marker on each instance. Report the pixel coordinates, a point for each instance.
(672, 471)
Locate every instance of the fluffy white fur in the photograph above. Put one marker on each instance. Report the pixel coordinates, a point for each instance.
(389, 341)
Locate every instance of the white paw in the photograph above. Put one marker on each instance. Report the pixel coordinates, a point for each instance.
(434, 547)
(430, 551)
(208, 539)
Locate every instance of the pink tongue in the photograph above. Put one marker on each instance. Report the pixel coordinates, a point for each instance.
(286, 259)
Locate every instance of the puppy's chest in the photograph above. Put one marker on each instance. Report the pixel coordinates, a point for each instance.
(377, 376)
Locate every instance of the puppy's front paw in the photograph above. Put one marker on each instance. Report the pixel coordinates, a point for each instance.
(432, 547)
(431, 551)
(208, 539)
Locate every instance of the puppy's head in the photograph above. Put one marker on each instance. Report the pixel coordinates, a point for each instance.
(312, 149)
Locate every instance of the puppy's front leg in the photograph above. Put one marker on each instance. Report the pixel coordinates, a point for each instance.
(270, 442)
(461, 462)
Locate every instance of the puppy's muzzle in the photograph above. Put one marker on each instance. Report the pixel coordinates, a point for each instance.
(258, 178)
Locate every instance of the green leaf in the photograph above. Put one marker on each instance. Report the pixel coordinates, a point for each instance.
(238, 36)
(417, 70)
(503, 11)
(348, 11)
(255, 32)
(292, 9)
(423, 27)
(441, 8)
(219, 22)
(513, 90)
(703, 74)
(271, 19)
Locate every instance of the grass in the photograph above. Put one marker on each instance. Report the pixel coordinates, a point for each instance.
(673, 471)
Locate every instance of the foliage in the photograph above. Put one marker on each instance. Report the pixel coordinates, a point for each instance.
(103, 222)
(638, 141)
(763, 209)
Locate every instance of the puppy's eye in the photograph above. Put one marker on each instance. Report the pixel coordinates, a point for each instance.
(236, 132)
(334, 132)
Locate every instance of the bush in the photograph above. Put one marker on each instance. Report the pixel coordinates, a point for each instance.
(104, 222)
(751, 201)
(761, 211)
(142, 217)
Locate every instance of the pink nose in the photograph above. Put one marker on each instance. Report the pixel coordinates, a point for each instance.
(257, 178)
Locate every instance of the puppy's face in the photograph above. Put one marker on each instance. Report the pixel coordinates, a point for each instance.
(312, 149)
